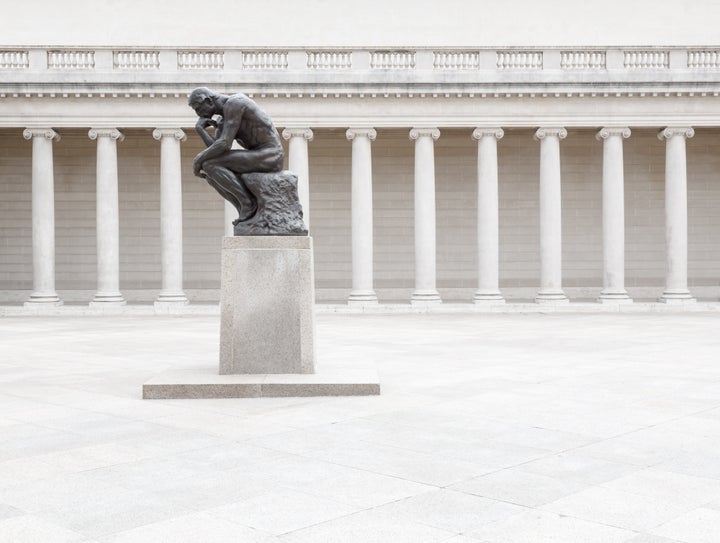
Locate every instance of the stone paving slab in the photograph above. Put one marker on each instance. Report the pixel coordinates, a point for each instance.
(497, 428)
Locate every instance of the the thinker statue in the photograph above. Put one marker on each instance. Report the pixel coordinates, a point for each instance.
(251, 178)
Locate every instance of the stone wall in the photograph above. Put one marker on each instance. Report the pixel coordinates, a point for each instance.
(456, 155)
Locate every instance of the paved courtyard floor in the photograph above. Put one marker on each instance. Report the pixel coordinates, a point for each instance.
(493, 428)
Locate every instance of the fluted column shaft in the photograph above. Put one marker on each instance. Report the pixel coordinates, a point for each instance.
(613, 213)
(425, 271)
(171, 238)
(362, 216)
(299, 163)
(550, 216)
(107, 218)
(43, 216)
(676, 230)
(488, 221)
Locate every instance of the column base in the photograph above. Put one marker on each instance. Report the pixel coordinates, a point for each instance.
(619, 297)
(43, 300)
(677, 296)
(362, 297)
(108, 300)
(553, 298)
(488, 298)
(425, 297)
(167, 302)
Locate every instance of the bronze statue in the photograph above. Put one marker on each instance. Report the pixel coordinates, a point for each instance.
(266, 204)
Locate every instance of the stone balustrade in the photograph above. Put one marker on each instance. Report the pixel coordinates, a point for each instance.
(136, 60)
(71, 60)
(483, 61)
(14, 60)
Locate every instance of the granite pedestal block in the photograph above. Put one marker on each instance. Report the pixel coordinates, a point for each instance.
(267, 305)
(267, 331)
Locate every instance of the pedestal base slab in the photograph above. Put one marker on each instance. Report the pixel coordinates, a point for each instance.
(205, 383)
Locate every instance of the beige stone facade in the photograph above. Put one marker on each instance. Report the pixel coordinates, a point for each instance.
(531, 151)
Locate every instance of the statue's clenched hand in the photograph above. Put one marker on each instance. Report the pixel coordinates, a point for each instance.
(204, 122)
(197, 166)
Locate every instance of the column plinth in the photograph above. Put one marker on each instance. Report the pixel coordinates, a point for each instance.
(488, 291)
(613, 215)
(298, 162)
(676, 236)
(43, 218)
(171, 239)
(107, 219)
(425, 264)
(550, 217)
(362, 292)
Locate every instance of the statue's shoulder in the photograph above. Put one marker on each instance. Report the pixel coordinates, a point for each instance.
(238, 103)
(240, 98)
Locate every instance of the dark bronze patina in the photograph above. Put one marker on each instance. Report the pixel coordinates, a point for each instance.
(251, 178)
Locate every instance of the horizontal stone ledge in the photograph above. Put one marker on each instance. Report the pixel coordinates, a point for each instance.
(205, 383)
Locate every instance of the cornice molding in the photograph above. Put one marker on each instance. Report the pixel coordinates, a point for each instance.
(551, 131)
(670, 131)
(112, 133)
(47, 133)
(363, 132)
(422, 132)
(176, 133)
(488, 132)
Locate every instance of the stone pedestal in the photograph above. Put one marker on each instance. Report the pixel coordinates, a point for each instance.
(267, 331)
(266, 305)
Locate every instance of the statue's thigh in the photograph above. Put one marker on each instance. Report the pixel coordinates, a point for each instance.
(242, 161)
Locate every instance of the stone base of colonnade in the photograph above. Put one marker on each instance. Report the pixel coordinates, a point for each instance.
(267, 331)
(677, 297)
(40, 302)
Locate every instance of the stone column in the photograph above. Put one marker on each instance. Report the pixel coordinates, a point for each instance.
(487, 223)
(43, 217)
(425, 287)
(550, 216)
(171, 239)
(298, 163)
(613, 212)
(676, 287)
(108, 219)
(362, 216)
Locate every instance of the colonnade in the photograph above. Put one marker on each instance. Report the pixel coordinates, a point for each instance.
(361, 138)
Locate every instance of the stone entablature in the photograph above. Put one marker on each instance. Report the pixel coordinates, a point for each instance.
(340, 87)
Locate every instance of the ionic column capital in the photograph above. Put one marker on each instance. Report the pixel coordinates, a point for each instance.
(416, 133)
(306, 133)
(671, 131)
(488, 131)
(113, 133)
(176, 133)
(362, 132)
(607, 131)
(544, 132)
(47, 133)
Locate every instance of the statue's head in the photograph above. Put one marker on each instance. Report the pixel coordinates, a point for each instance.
(202, 100)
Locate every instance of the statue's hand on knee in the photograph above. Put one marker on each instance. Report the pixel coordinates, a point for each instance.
(197, 168)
